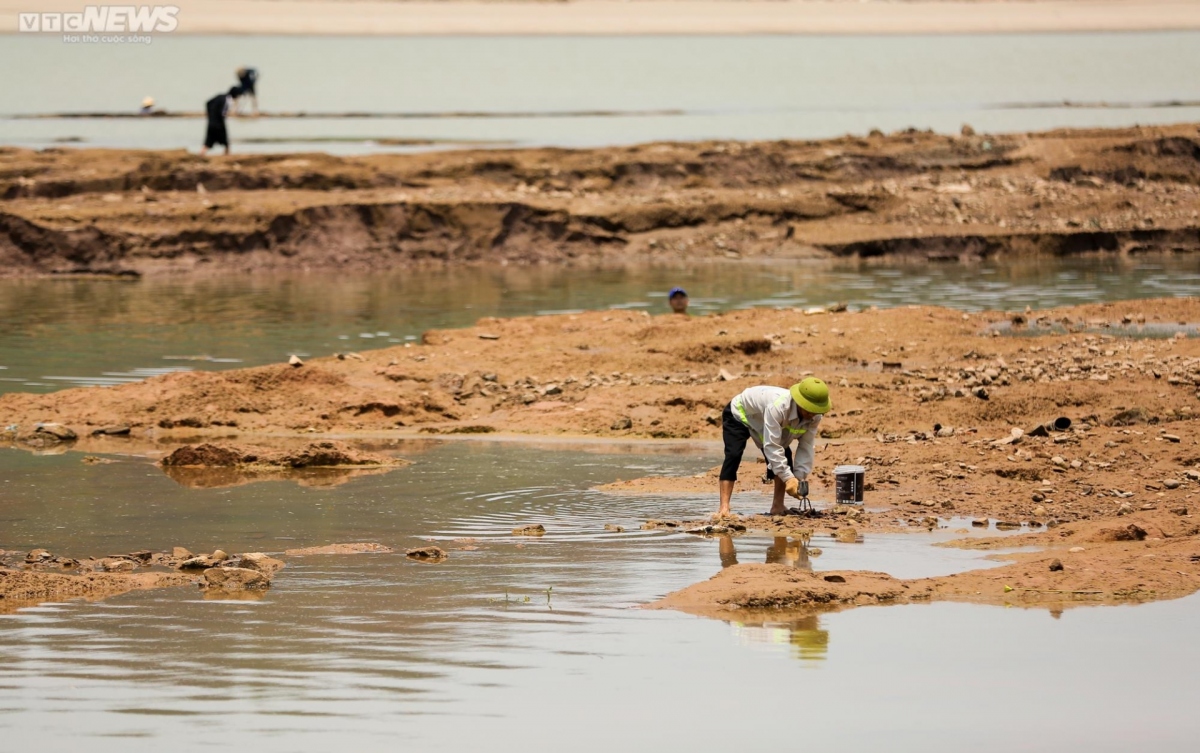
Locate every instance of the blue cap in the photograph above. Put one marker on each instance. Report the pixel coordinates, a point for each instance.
(676, 291)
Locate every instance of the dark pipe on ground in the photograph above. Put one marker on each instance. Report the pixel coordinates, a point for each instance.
(1062, 423)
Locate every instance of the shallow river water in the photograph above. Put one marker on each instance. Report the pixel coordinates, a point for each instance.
(592, 91)
(57, 333)
(537, 644)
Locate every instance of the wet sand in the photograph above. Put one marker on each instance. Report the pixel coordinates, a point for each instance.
(926, 398)
(381, 17)
(912, 195)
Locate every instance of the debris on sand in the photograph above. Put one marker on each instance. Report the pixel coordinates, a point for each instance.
(533, 529)
(427, 553)
(356, 548)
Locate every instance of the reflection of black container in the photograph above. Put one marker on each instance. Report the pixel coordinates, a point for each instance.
(848, 487)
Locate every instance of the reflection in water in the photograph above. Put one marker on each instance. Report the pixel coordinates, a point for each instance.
(804, 634)
(784, 550)
(222, 478)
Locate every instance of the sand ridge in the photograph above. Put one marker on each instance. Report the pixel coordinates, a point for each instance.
(908, 195)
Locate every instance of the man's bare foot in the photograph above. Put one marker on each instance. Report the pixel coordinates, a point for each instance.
(778, 511)
(723, 515)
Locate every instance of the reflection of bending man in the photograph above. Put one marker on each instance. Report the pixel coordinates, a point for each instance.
(783, 551)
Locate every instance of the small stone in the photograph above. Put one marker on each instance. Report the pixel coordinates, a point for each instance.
(1059, 461)
(1179, 510)
(1007, 525)
(1038, 497)
(980, 522)
(614, 528)
(622, 423)
(725, 376)
(203, 562)
(1193, 475)
(268, 566)
(1056, 566)
(981, 393)
(1171, 483)
(295, 362)
(835, 579)
(219, 555)
(1075, 549)
(552, 389)
(488, 336)
(1124, 509)
(118, 430)
(1039, 512)
(533, 529)
(1170, 437)
(236, 579)
(38, 555)
(180, 553)
(58, 431)
(1076, 464)
(115, 565)
(426, 553)
(846, 535)
(945, 431)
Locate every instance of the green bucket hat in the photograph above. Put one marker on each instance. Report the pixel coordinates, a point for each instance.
(812, 395)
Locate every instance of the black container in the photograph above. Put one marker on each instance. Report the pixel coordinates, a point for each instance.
(848, 487)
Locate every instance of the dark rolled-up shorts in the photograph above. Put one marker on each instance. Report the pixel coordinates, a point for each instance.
(216, 135)
(736, 435)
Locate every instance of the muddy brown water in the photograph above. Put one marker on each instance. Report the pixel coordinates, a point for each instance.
(535, 644)
(57, 333)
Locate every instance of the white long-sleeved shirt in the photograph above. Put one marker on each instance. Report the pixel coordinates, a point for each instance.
(774, 422)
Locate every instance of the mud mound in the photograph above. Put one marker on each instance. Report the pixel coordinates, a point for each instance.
(315, 455)
(779, 587)
(207, 456)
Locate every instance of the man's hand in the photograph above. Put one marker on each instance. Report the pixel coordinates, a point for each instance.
(792, 487)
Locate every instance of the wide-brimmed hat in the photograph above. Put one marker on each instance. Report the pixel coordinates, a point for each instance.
(812, 395)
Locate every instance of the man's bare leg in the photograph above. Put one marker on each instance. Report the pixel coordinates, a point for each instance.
(726, 495)
(777, 507)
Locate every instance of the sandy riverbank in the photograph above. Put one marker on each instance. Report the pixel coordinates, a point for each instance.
(384, 17)
(926, 398)
(910, 194)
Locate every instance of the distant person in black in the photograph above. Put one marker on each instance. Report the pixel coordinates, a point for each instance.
(216, 109)
(247, 78)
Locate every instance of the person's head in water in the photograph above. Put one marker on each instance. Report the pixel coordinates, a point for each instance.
(678, 298)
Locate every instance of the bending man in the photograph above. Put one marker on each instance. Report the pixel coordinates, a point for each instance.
(774, 417)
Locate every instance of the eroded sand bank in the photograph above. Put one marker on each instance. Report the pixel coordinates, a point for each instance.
(906, 195)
